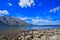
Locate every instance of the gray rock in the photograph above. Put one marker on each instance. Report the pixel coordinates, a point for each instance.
(53, 38)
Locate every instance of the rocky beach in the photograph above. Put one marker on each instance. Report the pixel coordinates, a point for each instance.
(45, 34)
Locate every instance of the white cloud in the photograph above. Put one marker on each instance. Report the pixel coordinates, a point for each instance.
(37, 17)
(28, 18)
(10, 4)
(39, 21)
(23, 18)
(26, 3)
(54, 10)
(45, 22)
(2, 12)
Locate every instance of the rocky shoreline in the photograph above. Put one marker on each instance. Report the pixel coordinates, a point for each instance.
(45, 34)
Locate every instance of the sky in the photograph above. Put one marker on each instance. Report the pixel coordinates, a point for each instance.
(37, 12)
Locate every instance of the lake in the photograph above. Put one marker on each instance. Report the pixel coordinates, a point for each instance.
(2, 28)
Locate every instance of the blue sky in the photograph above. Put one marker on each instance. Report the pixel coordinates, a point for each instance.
(40, 12)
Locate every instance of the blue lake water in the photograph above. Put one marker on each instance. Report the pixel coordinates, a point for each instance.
(27, 27)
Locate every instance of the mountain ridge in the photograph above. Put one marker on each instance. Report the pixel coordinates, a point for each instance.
(7, 20)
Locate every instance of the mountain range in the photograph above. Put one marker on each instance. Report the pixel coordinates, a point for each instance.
(7, 20)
